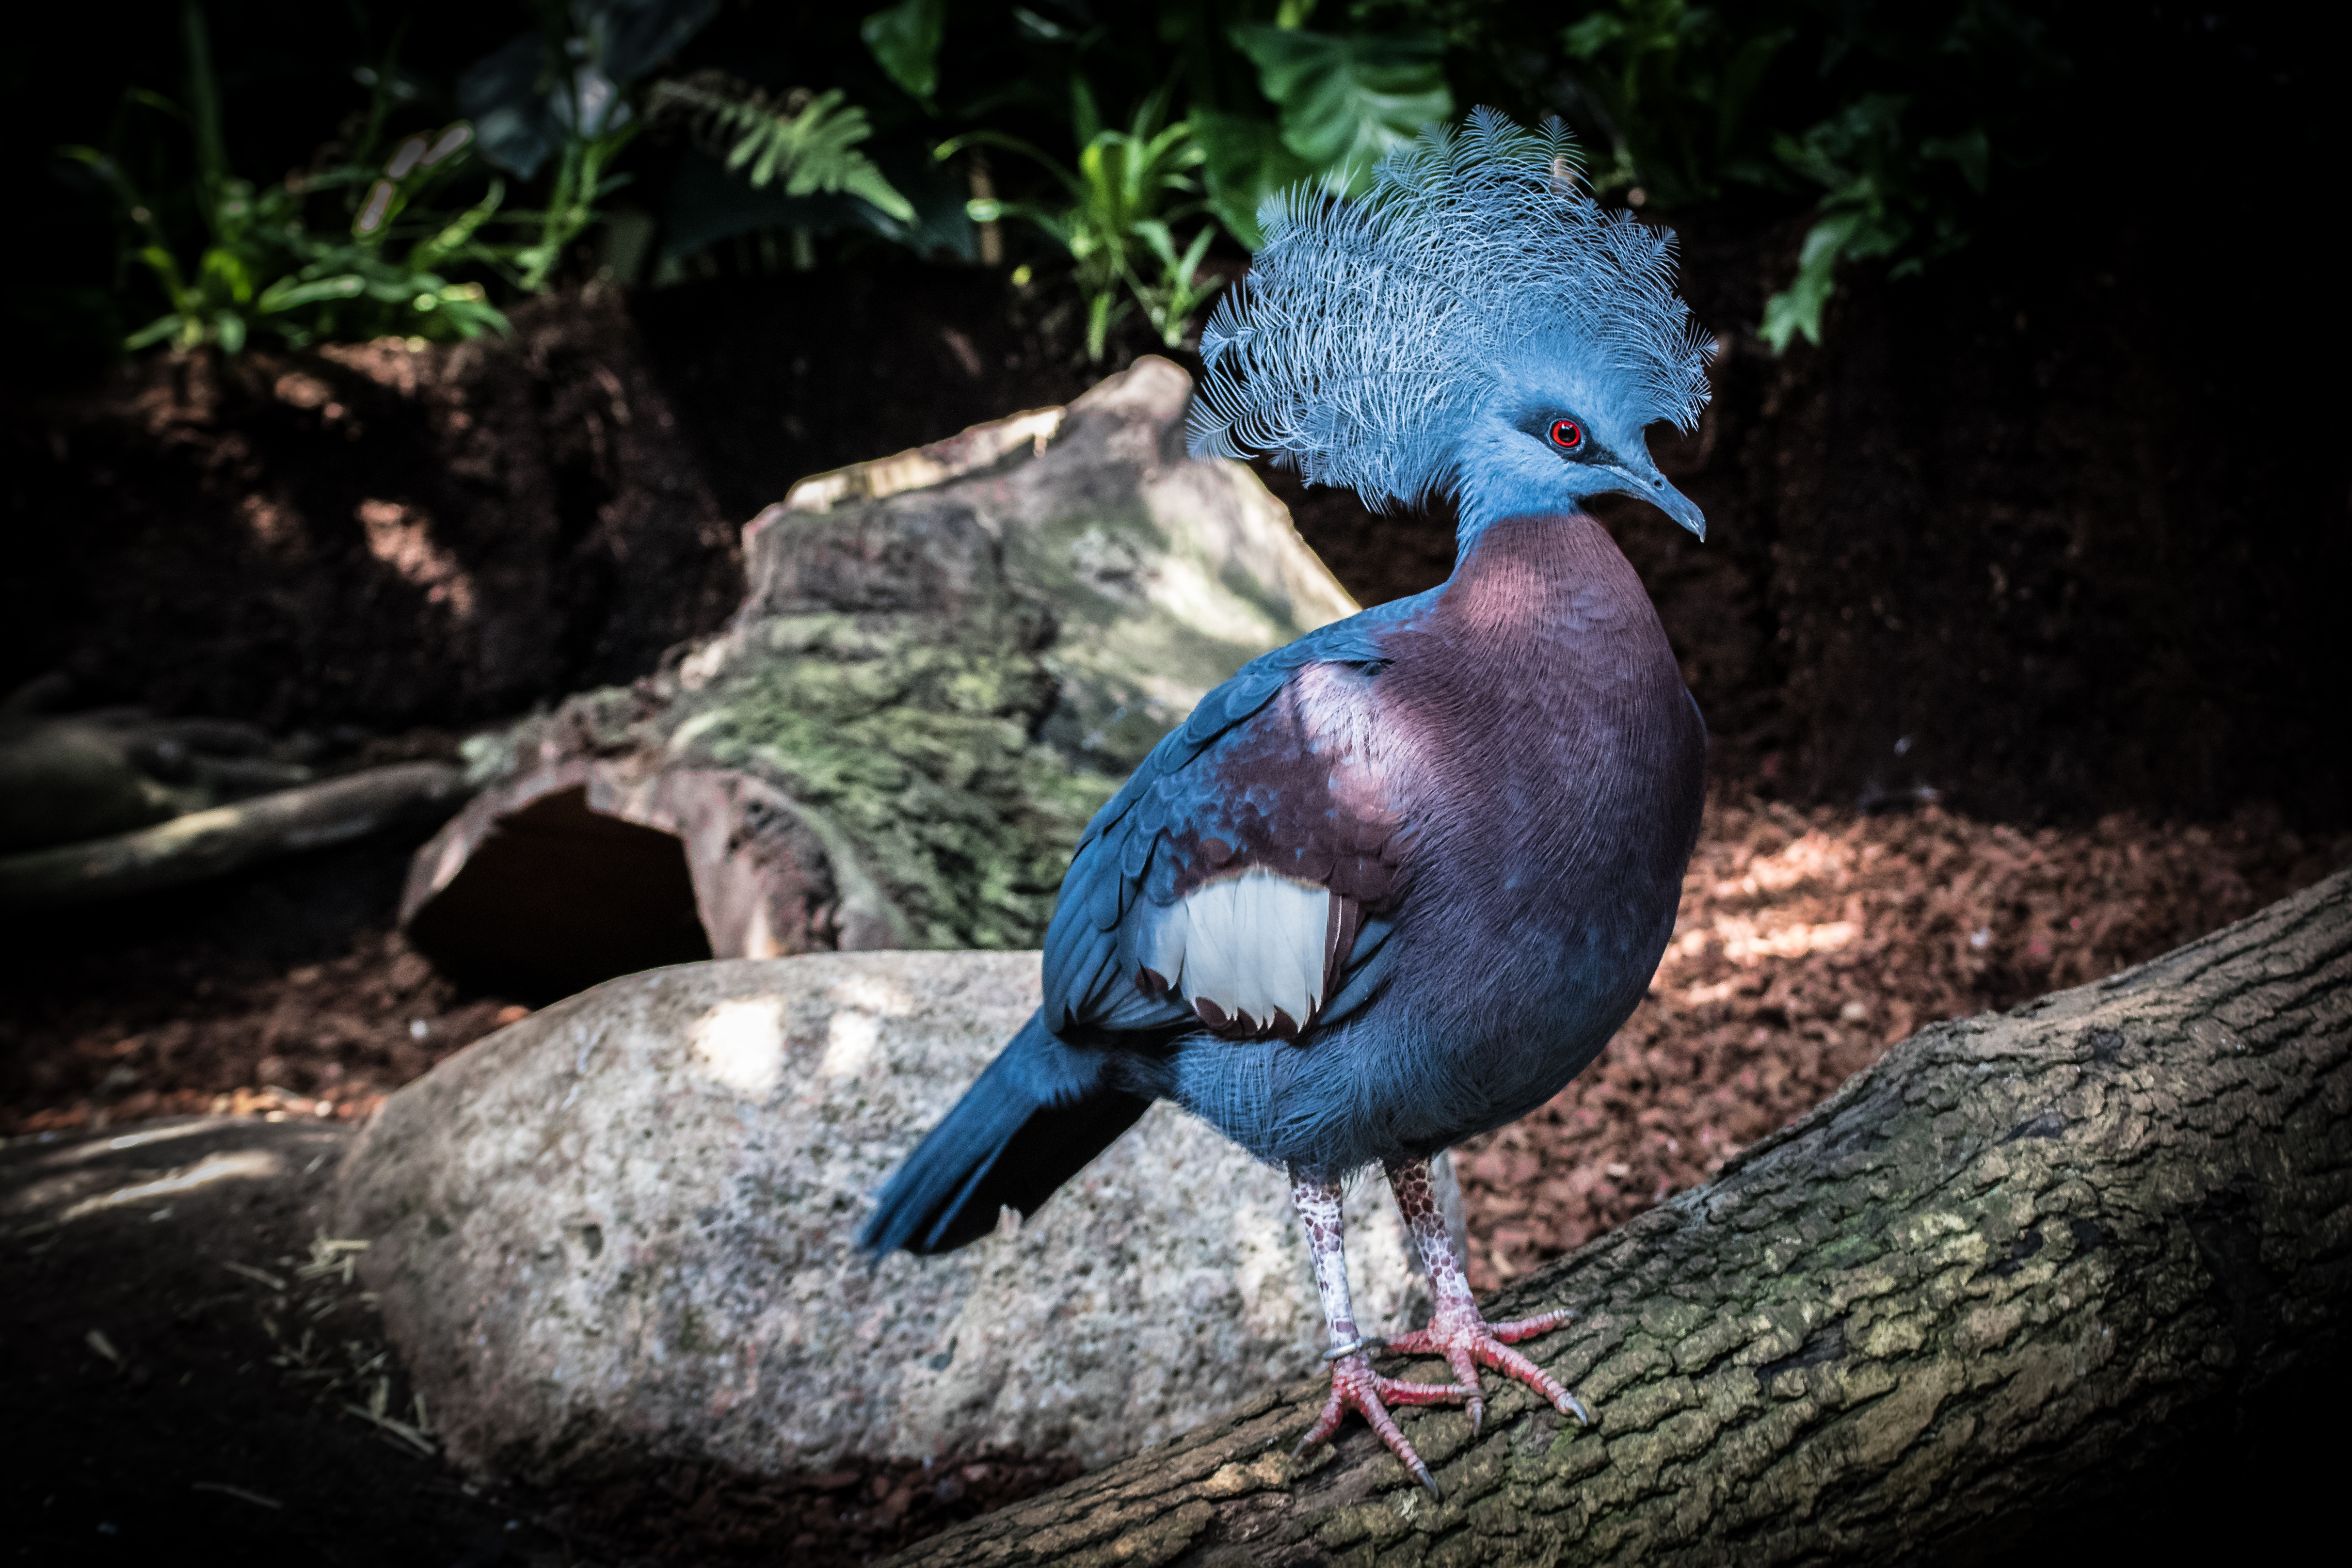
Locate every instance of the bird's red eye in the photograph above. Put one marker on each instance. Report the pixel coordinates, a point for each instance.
(1567, 435)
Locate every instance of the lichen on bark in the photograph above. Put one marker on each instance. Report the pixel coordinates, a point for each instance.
(919, 748)
(911, 734)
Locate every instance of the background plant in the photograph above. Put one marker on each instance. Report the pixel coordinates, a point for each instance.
(1885, 120)
(806, 143)
(1128, 190)
(653, 140)
(575, 92)
(260, 264)
(1270, 104)
(568, 96)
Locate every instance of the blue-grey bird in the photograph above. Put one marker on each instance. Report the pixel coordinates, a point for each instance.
(1395, 884)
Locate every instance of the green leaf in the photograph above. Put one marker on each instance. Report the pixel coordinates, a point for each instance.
(430, 252)
(1245, 162)
(1595, 32)
(1346, 100)
(1797, 310)
(231, 328)
(905, 42)
(225, 271)
(866, 182)
(1103, 312)
(813, 150)
(1861, 135)
(470, 317)
(153, 332)
(156, 102)
(1161, 242)
(1971, 150)
(167, 272)
(285, 294)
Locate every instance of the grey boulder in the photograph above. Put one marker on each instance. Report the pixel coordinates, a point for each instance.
(621, 1230)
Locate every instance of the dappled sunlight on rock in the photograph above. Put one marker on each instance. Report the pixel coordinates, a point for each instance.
(850, 1041)
(741, 1044)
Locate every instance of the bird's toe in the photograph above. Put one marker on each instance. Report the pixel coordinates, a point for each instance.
(1519, 1329)
(1356, 1387)
(1469, 1342)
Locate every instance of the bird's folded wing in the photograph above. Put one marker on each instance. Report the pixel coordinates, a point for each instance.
(1240, 880)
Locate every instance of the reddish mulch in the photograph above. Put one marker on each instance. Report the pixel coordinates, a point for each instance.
(327, 1038)
(1809, 943)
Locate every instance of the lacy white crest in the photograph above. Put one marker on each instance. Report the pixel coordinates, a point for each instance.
(1367, 333)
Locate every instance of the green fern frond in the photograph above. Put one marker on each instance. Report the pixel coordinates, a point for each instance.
(809, 142)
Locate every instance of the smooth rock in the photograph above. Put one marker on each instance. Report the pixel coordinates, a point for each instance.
(620, 1230)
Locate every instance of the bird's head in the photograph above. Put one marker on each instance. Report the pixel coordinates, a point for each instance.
(1554, 431)
(1475, 326)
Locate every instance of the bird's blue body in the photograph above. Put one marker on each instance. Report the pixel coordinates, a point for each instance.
(1395, 884)
(1503, 779)
(1493, 787)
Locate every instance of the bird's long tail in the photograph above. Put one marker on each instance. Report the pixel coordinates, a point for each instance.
(1027, 1124)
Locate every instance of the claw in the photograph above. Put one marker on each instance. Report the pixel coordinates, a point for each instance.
(1356, 1387)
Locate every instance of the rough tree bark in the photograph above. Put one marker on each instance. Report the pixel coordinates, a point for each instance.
(1985, 1271)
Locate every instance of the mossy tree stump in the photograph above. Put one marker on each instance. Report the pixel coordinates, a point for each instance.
(945, 662)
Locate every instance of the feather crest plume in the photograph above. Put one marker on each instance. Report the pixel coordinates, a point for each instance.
(1367, 333)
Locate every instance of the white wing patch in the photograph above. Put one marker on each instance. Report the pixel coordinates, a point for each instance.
(1248, 952)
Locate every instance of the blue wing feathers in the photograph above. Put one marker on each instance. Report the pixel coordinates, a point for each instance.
(1355, 640)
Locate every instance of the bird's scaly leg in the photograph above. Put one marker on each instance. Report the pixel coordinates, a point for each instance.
(1354, 1384)
(1456, 1330)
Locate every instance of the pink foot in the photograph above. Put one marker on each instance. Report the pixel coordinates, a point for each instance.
(1356, 1387)
(1468, 1342)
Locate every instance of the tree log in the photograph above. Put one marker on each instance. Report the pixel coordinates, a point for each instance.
(2002, 1264)
(205, 844)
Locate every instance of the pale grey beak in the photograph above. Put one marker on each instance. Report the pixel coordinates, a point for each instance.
(1642, 479)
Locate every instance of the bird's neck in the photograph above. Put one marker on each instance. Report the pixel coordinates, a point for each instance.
(1528, 583)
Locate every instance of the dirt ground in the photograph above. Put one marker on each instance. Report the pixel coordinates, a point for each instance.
(1807, 942)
